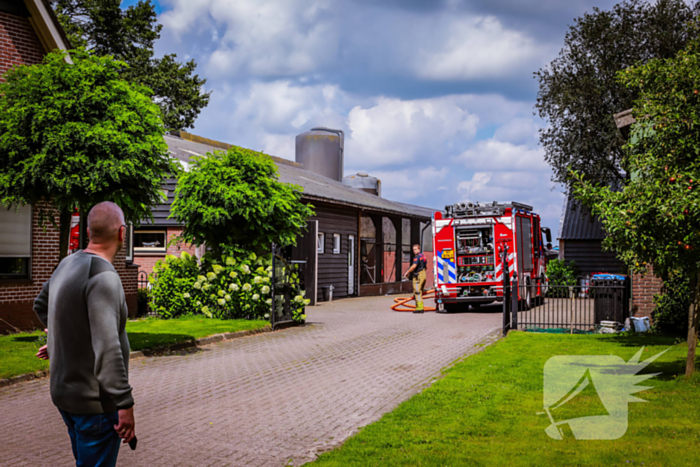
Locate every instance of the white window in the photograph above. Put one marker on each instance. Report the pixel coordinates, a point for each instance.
(15, 242)
(336, 244)
(150, 241)
(129, 243)
(321, 243)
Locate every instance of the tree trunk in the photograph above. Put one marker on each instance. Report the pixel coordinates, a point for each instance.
(65, 218)
(692, 326)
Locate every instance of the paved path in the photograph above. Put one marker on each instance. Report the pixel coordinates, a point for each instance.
(266, 399)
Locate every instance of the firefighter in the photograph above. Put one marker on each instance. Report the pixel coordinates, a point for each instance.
(417, 272)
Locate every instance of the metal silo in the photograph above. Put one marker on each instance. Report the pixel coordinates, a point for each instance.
(364, 182)
(321, 151)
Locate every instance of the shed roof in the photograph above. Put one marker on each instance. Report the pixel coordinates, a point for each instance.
(315, 187)
(577, 222)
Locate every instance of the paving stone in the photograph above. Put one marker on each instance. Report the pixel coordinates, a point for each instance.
(264, 399)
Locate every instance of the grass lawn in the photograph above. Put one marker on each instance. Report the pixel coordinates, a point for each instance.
(483, 412)
(17, 351)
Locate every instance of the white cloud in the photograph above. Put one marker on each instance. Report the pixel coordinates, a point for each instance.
(469, 47)
(399, 131)
(258, 37)
(495, 155)
(409, 184)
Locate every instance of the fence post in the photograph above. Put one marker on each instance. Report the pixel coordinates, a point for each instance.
(515, 296)
(272, 289)
(506, 290)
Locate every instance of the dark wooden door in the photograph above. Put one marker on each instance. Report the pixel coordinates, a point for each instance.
(306, 250)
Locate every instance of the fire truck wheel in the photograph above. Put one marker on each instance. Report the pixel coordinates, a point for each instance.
(454, 307)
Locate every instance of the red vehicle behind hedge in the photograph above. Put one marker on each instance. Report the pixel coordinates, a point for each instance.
(468, 242)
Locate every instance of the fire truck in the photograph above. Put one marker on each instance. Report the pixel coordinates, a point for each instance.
(468, 242)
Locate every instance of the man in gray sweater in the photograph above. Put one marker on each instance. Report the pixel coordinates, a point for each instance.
(84, 309)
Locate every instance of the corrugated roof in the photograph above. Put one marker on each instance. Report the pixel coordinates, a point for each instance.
(315, 187)
(577, 222)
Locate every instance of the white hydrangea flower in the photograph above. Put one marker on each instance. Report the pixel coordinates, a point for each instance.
(197, 285)
(257, 280)
(221, 302)
(247, 287)
(230, 261)
(307, 301)
(201, 278)
(217, 268)
(227, 298)
(233, 287)
(256, 297)
(299, 299)
(245, 269)
(206, 287)
(253, 257)
(186, 295)
(233, 274)
(211, 276)
(265, 290)
(268, 301)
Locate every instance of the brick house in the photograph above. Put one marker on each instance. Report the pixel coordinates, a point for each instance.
(28, 251)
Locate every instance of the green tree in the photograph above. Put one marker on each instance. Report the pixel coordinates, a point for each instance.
(233, 198)
(579, 92)
(74, 134)
(655, 219)
(103, 27)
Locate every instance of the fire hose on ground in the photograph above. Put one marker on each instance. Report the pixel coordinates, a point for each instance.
(401, 303)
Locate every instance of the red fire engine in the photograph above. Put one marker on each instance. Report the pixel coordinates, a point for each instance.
(468, 243)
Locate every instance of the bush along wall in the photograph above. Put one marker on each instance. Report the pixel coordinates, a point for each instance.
(238, 286)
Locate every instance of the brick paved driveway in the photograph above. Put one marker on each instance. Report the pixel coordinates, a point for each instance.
(265, 399)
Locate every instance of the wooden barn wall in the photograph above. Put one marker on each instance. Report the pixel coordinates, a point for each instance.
(333, 268)
(590, 257)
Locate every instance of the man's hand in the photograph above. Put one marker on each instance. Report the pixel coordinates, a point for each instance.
(43, 352)
(127, 426)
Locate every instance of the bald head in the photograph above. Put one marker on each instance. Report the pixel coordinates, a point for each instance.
(104, 223)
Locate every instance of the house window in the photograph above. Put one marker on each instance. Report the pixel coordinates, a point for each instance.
(336, 244)
(129, 243)
(321, 243)
(15, 242)
(150, 241)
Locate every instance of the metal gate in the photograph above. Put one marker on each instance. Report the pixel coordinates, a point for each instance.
(584, 307)
(284, 286)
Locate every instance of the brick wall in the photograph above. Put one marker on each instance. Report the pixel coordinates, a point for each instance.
(19, 43)
(643, 290)
(146, 261)
(17, 295)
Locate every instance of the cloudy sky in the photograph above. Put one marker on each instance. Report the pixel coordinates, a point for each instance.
(435, 96)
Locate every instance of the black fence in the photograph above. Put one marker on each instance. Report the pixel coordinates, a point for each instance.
(587, 305)
(288, 280)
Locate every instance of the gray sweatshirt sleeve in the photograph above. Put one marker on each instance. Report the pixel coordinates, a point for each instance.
(41, 305)
(104, 306)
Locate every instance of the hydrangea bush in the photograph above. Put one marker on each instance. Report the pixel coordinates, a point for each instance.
(238, 286)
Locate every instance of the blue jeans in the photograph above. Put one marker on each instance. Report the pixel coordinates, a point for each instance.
(94, 440)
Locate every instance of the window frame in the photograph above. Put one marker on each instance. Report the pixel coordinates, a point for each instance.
(147, 250)
(336, 236)
(321, 243)
(129, 242)
(30, 258)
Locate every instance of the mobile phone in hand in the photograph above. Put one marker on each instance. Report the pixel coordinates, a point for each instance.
(132, 443)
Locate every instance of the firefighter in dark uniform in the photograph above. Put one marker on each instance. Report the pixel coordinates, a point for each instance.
(417, 272)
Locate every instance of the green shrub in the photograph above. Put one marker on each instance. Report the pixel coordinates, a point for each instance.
(670, 315)
(171, 282)
(560, 273)
(238, 286)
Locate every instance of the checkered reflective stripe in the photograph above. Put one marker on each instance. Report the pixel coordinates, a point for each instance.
(512, 257)
(446, 269)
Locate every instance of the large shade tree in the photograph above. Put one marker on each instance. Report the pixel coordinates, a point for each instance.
(234, 199)
(655, 218)
(129, 34)
(579, 92)
(73, 133)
